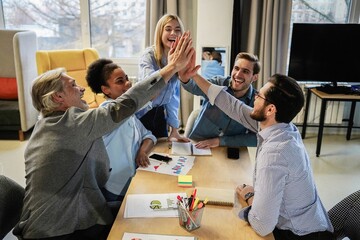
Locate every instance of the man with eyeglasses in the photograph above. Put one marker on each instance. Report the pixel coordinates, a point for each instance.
(212, 127)
(283, 199)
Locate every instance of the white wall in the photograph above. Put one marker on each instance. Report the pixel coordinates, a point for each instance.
(214, 27)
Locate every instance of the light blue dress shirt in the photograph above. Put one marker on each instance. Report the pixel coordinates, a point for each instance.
(285, 193)
(211, 68)
(122, 146)
(169, 97)
(213, 122)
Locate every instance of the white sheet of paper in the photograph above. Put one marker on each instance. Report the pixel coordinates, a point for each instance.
(152, 205)
(179, 165)
(131, 236)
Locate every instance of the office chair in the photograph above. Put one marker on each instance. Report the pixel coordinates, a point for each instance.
(190, 122)
(76, 62)
(11, 202)
(345, 217)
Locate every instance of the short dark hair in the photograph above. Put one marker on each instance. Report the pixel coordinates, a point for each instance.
(286, 95)
(252, 58)
(216, 56)
(99, 72)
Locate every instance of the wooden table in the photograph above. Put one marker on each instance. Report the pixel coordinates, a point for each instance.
(218, 222)
(325, 97)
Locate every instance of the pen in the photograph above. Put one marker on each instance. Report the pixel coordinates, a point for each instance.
(181, 201)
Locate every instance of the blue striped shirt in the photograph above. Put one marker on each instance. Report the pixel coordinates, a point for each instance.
(285, 193)
(169, 97)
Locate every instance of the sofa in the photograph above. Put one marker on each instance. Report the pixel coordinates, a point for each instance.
(17, 71)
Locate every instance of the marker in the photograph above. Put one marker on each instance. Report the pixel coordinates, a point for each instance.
(200, 205)
(181, 201)
(193, 200)
(195, 203)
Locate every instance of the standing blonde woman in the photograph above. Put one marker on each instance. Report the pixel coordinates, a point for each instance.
(162, 111)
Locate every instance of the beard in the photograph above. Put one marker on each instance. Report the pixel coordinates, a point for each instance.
(258, 115)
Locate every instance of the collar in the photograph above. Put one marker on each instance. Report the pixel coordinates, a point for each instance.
(247, 98)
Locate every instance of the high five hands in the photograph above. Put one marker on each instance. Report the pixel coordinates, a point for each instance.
(181, 51)
(190, 70)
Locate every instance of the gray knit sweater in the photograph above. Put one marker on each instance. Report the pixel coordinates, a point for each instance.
(66, 164)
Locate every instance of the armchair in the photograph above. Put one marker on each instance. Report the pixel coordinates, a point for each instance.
(17, 71)
(76, 62)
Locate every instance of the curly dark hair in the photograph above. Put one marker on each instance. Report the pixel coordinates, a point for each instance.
(99, 72)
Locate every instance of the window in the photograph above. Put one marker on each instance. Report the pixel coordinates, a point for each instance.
(116, 28)
(320, 11)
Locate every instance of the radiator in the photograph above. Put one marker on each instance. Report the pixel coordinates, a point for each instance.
(333, 114)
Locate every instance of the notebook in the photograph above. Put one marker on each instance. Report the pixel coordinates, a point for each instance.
(187, 149)
(215, 196)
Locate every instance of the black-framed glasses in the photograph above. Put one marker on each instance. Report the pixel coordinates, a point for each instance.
(257, 94)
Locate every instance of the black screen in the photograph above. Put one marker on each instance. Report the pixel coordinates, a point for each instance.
(325, 52)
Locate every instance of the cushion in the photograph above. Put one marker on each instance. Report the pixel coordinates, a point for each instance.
(8, 89)
(9, 115)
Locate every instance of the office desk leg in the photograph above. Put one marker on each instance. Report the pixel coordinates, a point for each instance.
(321, 126)
(351, 120)
(307, 104)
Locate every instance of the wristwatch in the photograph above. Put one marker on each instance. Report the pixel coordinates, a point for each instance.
(248, 196)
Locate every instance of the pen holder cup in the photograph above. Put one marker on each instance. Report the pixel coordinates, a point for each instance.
(190, 220)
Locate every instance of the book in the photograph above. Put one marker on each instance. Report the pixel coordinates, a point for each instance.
(143, 236)
(152, 205)
(188, 148)
(215, 196)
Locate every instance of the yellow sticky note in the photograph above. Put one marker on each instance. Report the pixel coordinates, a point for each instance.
(185, 180)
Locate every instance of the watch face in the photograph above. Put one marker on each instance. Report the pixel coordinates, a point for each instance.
(249, 195)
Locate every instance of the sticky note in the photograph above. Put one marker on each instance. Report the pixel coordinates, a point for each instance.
(185, 181)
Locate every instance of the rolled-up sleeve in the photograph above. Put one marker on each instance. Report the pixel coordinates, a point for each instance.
(213, 91)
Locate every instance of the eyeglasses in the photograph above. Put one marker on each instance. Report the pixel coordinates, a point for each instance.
(257, 94)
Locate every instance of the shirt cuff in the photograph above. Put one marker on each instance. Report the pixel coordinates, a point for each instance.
(244, 213)
(213, 91)
(157, 77)
(174, 123)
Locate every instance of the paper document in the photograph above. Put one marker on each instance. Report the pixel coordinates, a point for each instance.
(152, 205)
(179, 165)
(132, 236)
(188, 148)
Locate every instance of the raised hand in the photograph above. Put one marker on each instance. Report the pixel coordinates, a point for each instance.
(189, 71)
(181, 52)
(179, 56)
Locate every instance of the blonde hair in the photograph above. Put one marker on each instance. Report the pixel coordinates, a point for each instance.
(44, 86)
(159, 47)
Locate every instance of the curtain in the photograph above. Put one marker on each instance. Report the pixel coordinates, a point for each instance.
(262, 27)
(185, 10)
